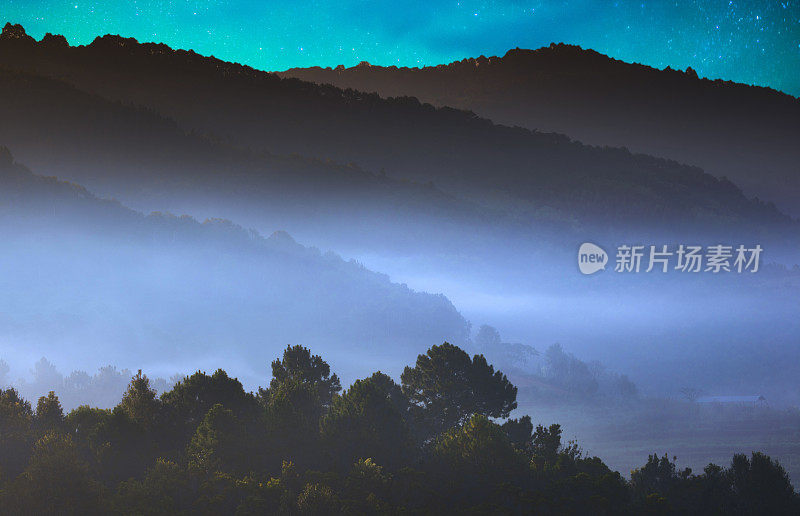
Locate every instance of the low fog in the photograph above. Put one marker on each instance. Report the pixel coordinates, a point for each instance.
(96, 291)
(202, 241)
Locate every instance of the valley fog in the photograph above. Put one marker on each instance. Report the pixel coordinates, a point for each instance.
(285, 285)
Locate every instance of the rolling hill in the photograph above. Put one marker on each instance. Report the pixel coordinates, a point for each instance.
(81, 275)
(533, 175)
(748, 134)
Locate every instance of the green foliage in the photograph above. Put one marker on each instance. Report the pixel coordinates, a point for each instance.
(208, 447)
(294, 404)
(292, 418)
(300, 394)
(547, 442)
(219, 444)
(366, 488)
(49, 414)
(761, 486)
(448, 388)
(139, 402)
(121, 447)
(56, 481)
(475, 467)
(298, 365)
(757, 485)
(317, 500)
(16, 418)
(660, 475)
(191, 398)
(83, 424)
(520, 433)
(479, 447)
(166, 489)
(186, 405)
(369, 420)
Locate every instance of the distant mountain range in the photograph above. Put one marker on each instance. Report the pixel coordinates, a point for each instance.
(532, 176)
(748, 134)
(148, 162)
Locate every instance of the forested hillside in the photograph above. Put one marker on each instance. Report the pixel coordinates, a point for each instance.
(513, 168)
(732, 130)
(84, 274)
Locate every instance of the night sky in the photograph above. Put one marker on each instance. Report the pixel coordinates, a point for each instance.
(749, 41)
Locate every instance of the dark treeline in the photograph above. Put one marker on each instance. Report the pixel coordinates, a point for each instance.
(731, 130)
(439, 442)
(554, 378)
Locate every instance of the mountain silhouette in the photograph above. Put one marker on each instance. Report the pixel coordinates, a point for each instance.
(510, 169)
(148, 162)
(746, 133)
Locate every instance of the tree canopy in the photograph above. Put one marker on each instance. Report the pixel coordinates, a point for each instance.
(447, 387)
(301, 447)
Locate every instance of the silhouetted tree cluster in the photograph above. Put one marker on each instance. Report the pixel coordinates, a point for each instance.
(434, 444)
(755, 485)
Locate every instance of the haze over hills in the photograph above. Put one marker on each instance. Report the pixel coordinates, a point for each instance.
(88, 279)
(748, 134)
(529, 173)
(147, 162)
(439, 199)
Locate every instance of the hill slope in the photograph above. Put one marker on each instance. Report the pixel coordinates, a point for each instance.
(462, 154)
(748, 134)
(149, 163)
(82, 276)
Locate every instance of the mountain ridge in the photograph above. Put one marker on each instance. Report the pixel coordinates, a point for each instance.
(560, 50)
(729, 129)
(463, 155)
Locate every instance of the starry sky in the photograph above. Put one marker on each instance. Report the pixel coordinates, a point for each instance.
(751, 41)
